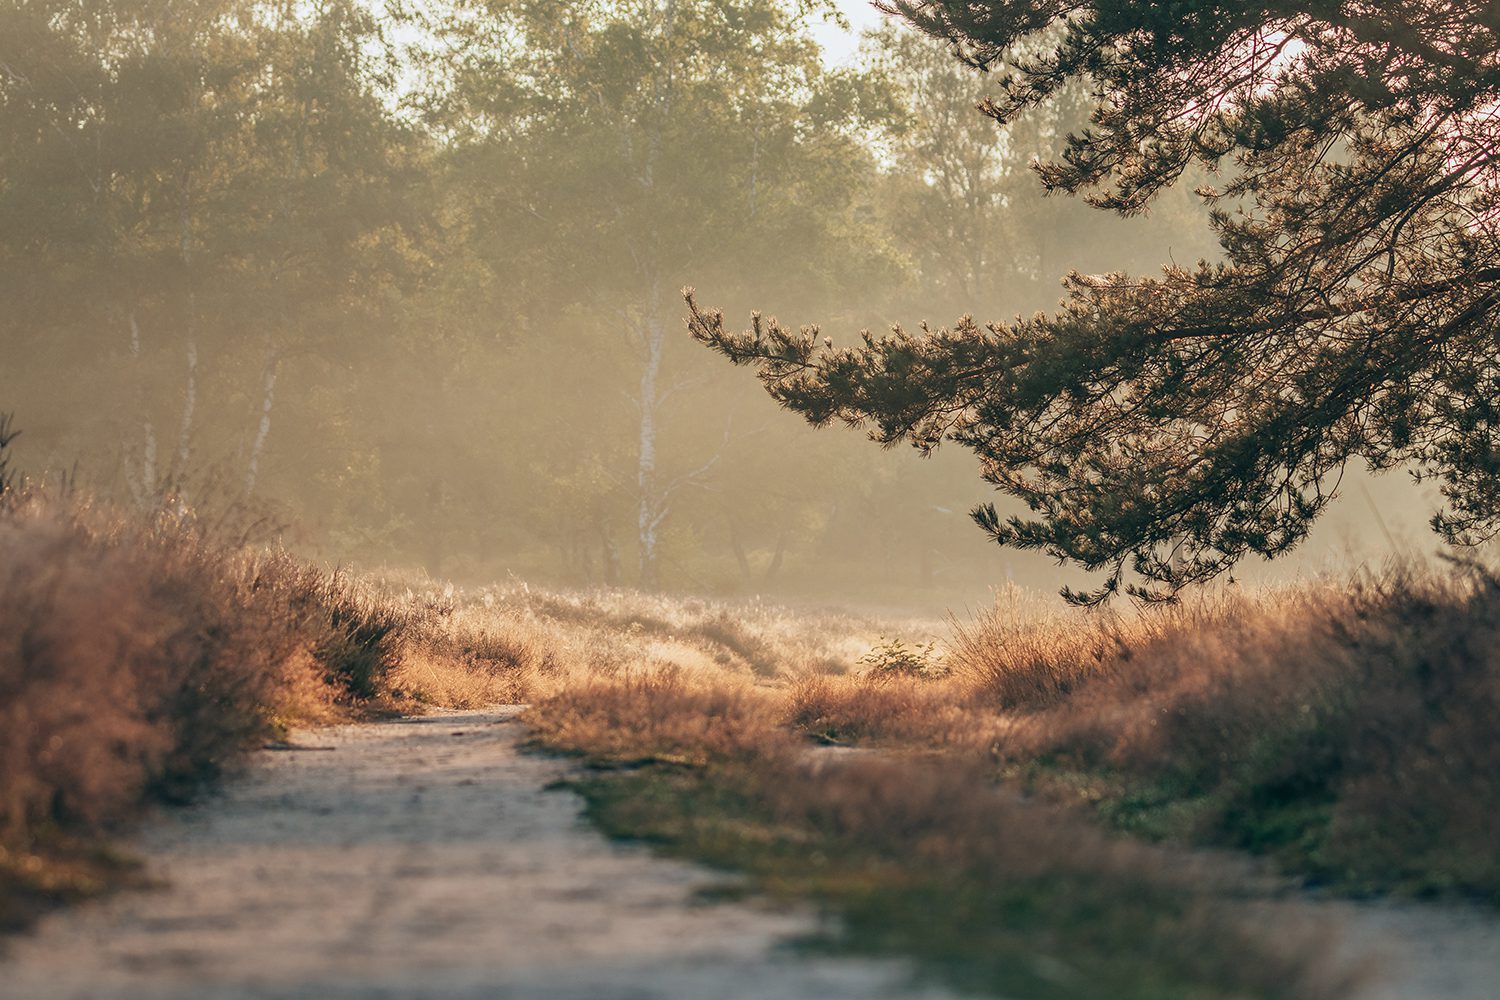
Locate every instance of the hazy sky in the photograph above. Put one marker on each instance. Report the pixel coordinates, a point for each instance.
(838, 44)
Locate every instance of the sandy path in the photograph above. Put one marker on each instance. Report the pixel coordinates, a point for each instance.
(418, 859)
(1419, 951)
(424, 859)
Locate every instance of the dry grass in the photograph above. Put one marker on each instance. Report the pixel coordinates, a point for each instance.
(1343, 727)
(140, 657)
(657, 716)
(521, 644)
(1346, 728)
(696, 725)
(138, 660)
(896, 711)
(922, 855)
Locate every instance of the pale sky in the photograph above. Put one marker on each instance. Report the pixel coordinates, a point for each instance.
(838, 44)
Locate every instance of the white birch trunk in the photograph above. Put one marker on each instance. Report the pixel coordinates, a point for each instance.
(143, 487)
(189, 405)
(268, 399)
(652, 507)
(652, 499)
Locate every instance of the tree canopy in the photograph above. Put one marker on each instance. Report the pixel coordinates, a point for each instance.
(1170, 426)
(405, 278)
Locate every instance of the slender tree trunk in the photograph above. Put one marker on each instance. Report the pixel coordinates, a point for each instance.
(740, 557)
(268, 399)
(609, 558)
(773, 569)
(651, 499)
(144, 487)
(651, 509)
(189, 406)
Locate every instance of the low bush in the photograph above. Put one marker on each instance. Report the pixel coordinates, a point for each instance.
(891, 710)
(138, 660)
(1346, 728)
(894, 658)
(656, 714)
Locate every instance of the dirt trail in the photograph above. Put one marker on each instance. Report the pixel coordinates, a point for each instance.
(1419, 951)
(418, 859)
(424, 859)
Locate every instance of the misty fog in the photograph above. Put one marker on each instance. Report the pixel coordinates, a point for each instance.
(405, 287)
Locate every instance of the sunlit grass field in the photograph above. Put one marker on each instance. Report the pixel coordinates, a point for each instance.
(1018, 800)
(1339, 726)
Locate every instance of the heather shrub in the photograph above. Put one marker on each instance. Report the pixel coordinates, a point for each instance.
(895, 709)
(358, 636)
(125, 665)
(1345, 728)
(656, 714)
(140, 659)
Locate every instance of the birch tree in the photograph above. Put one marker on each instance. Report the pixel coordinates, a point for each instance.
(190, 194)
(634, 130)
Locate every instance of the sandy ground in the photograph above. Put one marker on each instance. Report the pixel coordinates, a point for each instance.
(1416, 951)
(425, 858)
(418, 859)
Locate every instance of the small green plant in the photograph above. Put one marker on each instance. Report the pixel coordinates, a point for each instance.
(894, 658)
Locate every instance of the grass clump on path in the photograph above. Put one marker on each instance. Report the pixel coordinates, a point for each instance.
(917, 857)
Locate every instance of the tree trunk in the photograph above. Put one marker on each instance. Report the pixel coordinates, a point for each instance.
(143, 489)
(609, 558)
(651, 505)
(773, 569)
(740, 557)
(268, 399)
(189, 405)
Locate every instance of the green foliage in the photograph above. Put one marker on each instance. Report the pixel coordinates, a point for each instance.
(634, 133)
(408, 276)
(1011, 926)
(1350, 739)
(196, 201)
(1169, 427)
(894, 658)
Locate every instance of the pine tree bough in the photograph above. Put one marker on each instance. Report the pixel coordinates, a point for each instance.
(1168, 427)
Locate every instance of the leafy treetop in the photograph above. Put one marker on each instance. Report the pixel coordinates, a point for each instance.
(1170, 426)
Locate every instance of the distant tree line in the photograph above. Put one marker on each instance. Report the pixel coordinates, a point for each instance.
(414, 277)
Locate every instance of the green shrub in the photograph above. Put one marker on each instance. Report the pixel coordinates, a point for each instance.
(894, 658)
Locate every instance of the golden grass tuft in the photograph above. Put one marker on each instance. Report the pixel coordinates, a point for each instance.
(889, 711)
(657, 714)
(1345, 727)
